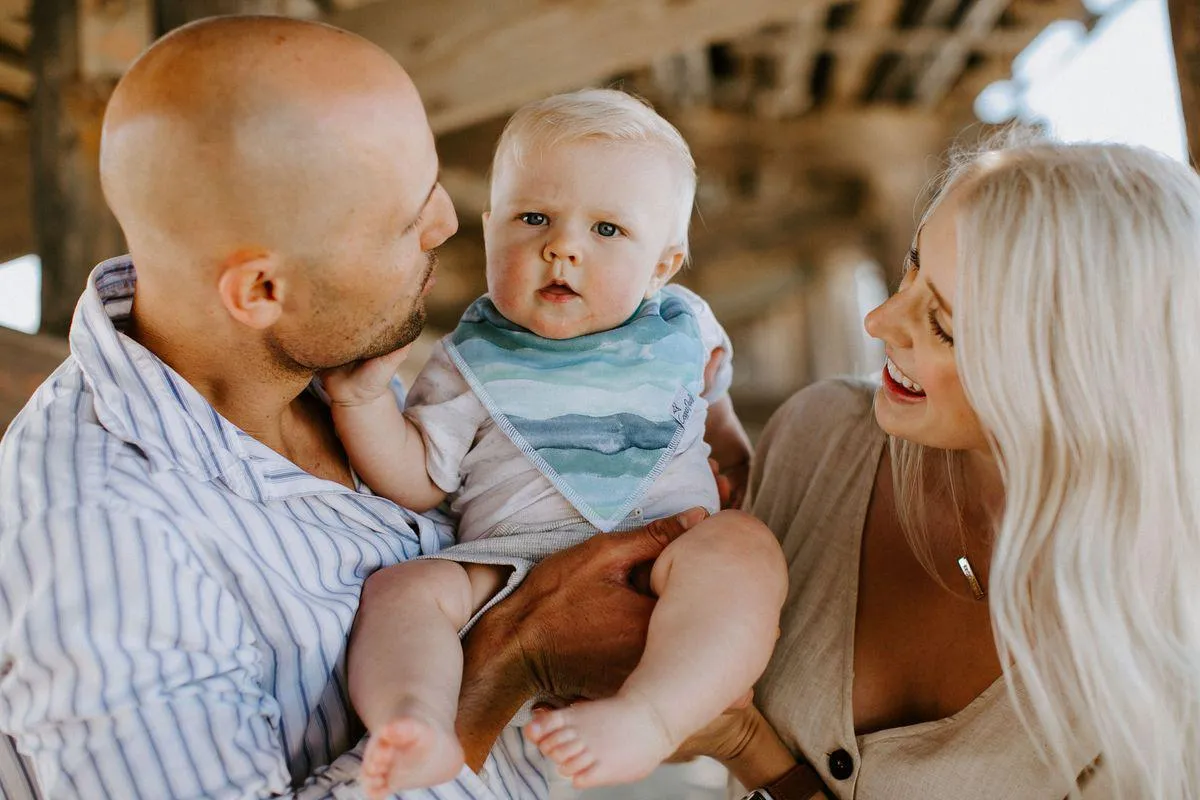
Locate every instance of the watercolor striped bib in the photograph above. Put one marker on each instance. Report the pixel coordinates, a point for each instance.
(599, 415)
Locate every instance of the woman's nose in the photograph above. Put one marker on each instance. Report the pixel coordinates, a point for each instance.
(888, 322)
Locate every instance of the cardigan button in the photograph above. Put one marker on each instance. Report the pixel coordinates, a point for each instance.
(841, 765)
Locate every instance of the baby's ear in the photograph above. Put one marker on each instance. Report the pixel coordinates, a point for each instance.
(486, 216)
(665, 269)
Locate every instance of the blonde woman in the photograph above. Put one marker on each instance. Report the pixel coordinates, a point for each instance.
(994, 553)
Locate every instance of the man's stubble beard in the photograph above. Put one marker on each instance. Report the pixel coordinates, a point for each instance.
(407, 331)
(393, 338)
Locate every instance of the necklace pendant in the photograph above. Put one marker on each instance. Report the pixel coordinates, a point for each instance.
(973, 582)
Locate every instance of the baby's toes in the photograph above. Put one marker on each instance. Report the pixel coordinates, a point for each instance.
(577, 764)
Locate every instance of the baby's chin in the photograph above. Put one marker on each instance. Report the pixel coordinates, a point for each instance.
(550, 326)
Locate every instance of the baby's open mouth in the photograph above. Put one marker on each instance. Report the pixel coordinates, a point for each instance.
(557, 292)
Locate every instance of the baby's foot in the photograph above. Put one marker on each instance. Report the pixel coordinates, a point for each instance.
(409, 752)
(604, 742)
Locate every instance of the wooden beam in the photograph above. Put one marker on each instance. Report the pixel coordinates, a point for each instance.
(25, 361)
(475, 60)
(14, 34)
(1040, 13)
(13, 119)
(16, 225)
(683, 79)
(17, 9)
(171, 14)
(916, 41)
(795, 56)
(947, 65)
(861, 140)
(1185, 35)
(73, 226)
(15, 81)
(852, 69)
(110, 38)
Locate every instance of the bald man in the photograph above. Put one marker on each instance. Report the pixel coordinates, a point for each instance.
(182, 541)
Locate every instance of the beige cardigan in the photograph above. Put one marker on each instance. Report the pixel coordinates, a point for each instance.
(810, 484)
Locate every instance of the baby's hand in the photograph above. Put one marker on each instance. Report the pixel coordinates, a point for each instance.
(362, 381)
(736, 478)
(731, 484)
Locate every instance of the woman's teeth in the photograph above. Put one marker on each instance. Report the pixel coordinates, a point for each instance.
(902, 379)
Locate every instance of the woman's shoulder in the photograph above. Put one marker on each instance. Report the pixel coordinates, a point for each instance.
(813, 452)
(821, 413)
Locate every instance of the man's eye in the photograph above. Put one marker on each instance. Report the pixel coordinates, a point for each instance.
(533, 218)
(607, 229)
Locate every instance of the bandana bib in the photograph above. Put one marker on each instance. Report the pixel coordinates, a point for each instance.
(600, 415)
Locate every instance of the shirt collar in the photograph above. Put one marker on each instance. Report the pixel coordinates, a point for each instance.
(144, 402)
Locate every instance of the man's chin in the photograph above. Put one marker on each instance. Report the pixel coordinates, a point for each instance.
(401, 338)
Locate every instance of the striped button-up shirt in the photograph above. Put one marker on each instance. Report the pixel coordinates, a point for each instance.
(175, 597)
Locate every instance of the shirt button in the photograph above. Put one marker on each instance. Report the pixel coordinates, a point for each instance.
(841, 765)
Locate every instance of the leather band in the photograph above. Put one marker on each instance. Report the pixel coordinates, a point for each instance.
(801, 782)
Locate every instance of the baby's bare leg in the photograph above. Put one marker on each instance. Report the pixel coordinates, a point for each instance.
(405, 668)
(721, 586)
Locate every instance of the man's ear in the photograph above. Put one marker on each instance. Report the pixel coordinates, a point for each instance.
(252, 287)
(665, 269)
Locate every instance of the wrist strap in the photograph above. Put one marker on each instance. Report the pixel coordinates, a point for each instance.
(800, 782)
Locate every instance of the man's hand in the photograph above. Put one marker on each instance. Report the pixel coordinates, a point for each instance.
(581, 617)
(574, 629)
(362, 381)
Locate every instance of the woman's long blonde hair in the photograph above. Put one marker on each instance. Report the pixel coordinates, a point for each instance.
(1077, 336)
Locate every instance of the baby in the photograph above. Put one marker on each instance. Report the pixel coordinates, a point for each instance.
(576, 396)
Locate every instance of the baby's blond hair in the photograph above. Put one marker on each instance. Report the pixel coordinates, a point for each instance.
(604, 115)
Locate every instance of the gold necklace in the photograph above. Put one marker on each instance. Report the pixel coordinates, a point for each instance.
(972, 581)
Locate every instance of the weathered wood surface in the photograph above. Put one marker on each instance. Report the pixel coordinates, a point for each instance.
(16, 225)
(25, 361)
(73, 226)
(473, 60)
(1185, 32)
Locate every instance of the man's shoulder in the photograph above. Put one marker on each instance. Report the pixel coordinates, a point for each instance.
(57, 455)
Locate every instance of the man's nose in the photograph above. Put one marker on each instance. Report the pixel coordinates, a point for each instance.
(442, 221)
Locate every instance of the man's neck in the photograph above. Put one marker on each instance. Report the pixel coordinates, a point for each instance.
(243, 384)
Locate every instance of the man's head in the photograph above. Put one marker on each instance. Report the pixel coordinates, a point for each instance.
(591, 197)
(276, 180)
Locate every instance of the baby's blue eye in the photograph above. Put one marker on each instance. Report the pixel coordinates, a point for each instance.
(607, 229)
(533, 218)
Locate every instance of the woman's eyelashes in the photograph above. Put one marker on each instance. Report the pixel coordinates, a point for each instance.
(938, 330)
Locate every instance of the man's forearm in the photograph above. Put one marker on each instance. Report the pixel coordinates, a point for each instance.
(494, 687)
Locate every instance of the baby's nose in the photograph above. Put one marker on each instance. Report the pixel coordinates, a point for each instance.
(561, 248)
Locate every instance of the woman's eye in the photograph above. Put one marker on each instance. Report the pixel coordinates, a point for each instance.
(607, 229)
(533, 218)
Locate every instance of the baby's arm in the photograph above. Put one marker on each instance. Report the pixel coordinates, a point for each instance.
(728, 441)
(384, 447)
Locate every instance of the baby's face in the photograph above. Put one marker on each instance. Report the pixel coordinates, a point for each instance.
(579, 235)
